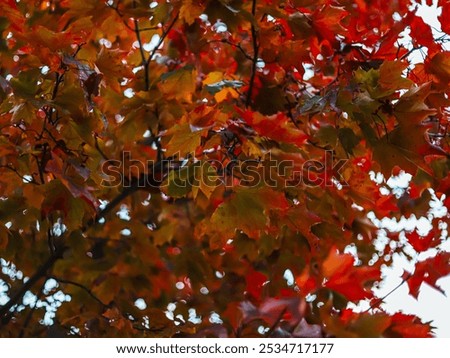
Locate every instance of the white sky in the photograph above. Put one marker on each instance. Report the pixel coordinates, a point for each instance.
(431, 304)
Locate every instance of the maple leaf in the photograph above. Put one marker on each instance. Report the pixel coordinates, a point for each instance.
(342, 276)
(422, 243)
(190, 10)
(409, 326)
(179, 84)
(428, 271)
(439, 67)
(277, 127)
(183, 141)
(205, 97)
(256, 203)
(445, 15)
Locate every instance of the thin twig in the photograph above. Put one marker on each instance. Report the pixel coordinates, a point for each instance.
(276, 323)
(162, 38)
(5, 311)
(10, 167)
(32, 310)
(97, 146)
(141, 51)
(84, 288)
(380, 300)
(238, 46)
(116, 9)
(410, 52)
(255, 57)
(146, 61)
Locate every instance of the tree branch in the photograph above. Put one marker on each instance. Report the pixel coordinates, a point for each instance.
(238, 46)
(32, 310)
(380, 300)
(141, 50)
(84, 288)
(162, 38)
(255, 57)
(116, 9)
(5, 311)
(146, 61)
(11, 167)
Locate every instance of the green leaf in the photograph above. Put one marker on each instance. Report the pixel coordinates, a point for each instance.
(256, 203)
(327, 136)
(179, 182)
(392, 78)
(25, 84)
(348, 139)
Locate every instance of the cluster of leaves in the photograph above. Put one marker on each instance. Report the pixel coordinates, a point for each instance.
(211, 85)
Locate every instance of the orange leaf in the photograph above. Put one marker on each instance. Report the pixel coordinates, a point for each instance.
(342, 276)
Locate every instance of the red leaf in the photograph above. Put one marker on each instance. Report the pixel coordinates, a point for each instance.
(421, 243)
(443, 18)
(428, 271)
(306, 282)
(277, 127)
(343, 277)
(327, 22)
(409, 326)
(255, 281)
(421, 33)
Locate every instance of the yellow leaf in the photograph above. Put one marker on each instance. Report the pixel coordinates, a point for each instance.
(183, 140)
(206, 180)
(190, 10)
(439, 66)
(391, 76)
(213, 77)
(179, 84)
(223, 95)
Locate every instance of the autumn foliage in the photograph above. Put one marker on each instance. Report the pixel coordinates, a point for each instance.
(187, 153)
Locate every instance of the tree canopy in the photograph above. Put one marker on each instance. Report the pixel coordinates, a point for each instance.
(164, 164)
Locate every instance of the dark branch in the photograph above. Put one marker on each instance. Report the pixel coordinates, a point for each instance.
(141, 51)
(11, 168)
(161, 39)
(255, 57)
(5, 311)
(238, 46)
(32, 310)
(381, 300)
(146, 61)
(84, 288)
